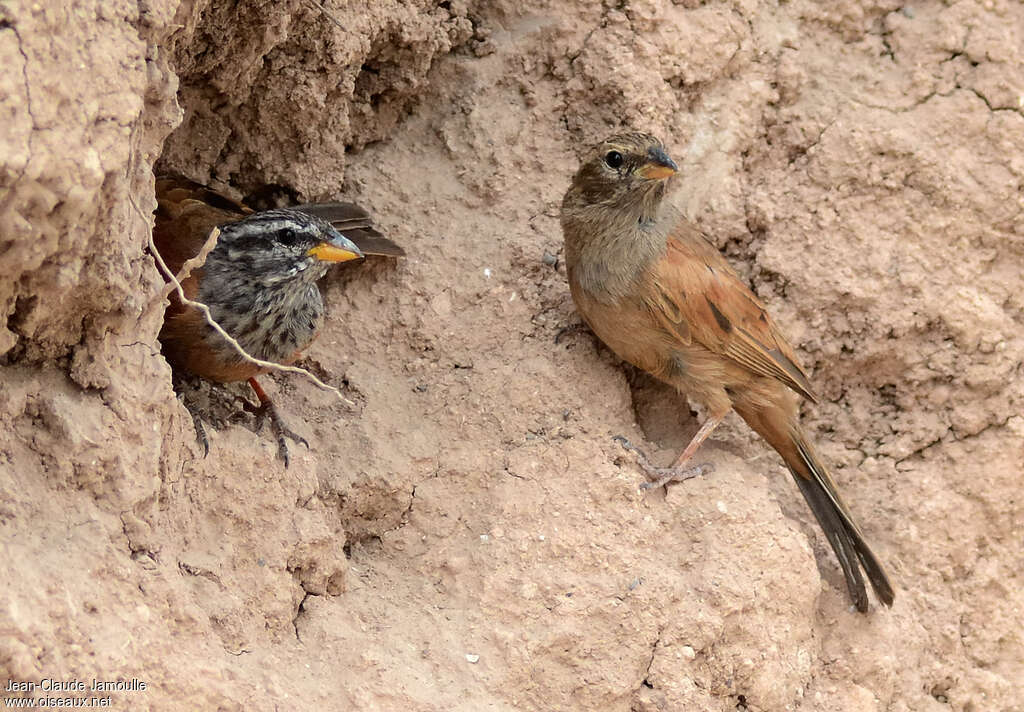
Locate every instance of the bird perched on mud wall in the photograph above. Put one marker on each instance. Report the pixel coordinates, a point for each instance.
(664, 299)
(259, 281)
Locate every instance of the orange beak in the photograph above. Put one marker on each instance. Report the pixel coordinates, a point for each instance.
(337, 248)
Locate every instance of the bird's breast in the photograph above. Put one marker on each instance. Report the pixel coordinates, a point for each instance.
(272, 323)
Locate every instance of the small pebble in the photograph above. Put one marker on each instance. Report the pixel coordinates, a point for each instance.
(549, 259)
(472, 658)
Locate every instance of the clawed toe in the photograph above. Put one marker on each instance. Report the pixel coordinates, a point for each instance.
(570, 330)
(200, 433)
(178, 383)
(661, 476)
(281, 431)
(197, 423)
(624, 442)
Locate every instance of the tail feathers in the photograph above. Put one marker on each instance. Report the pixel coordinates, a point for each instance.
(843, 534)
(778, 426)
(338, 214)
(371, 242)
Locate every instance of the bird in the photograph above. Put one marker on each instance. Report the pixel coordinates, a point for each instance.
(259, 282)
(652, 287)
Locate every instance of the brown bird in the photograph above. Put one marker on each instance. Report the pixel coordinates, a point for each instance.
(651, 287)
(259, 281)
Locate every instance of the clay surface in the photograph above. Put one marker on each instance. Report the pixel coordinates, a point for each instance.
(471, 538)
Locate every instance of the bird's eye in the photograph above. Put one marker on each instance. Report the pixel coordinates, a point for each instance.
(287, 236)
(613, 159)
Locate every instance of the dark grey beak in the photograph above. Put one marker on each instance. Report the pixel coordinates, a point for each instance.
(659, 157)
(658, 165)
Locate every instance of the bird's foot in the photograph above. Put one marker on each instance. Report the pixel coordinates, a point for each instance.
(661, 476)
(281, 431)
(178, 382)
(201, 438)
(570, 330)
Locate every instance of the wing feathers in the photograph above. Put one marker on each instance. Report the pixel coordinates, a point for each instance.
(669, 314)
(196, 209)
(355, 224)
(725, 317)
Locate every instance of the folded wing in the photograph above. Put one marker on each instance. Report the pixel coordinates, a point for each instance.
(699, 297)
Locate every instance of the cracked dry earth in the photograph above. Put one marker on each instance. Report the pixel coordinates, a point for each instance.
(472, 538)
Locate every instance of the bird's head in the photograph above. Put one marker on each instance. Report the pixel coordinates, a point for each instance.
(626, 171)
(280, 245)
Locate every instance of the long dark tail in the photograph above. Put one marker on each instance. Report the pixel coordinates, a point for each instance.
(812, 477)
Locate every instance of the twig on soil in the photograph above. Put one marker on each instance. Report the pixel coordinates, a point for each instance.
(175, 285)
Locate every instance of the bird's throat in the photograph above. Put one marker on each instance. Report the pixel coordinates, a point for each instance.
(610, 253)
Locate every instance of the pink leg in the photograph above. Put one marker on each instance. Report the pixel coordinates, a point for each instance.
(698, 439)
